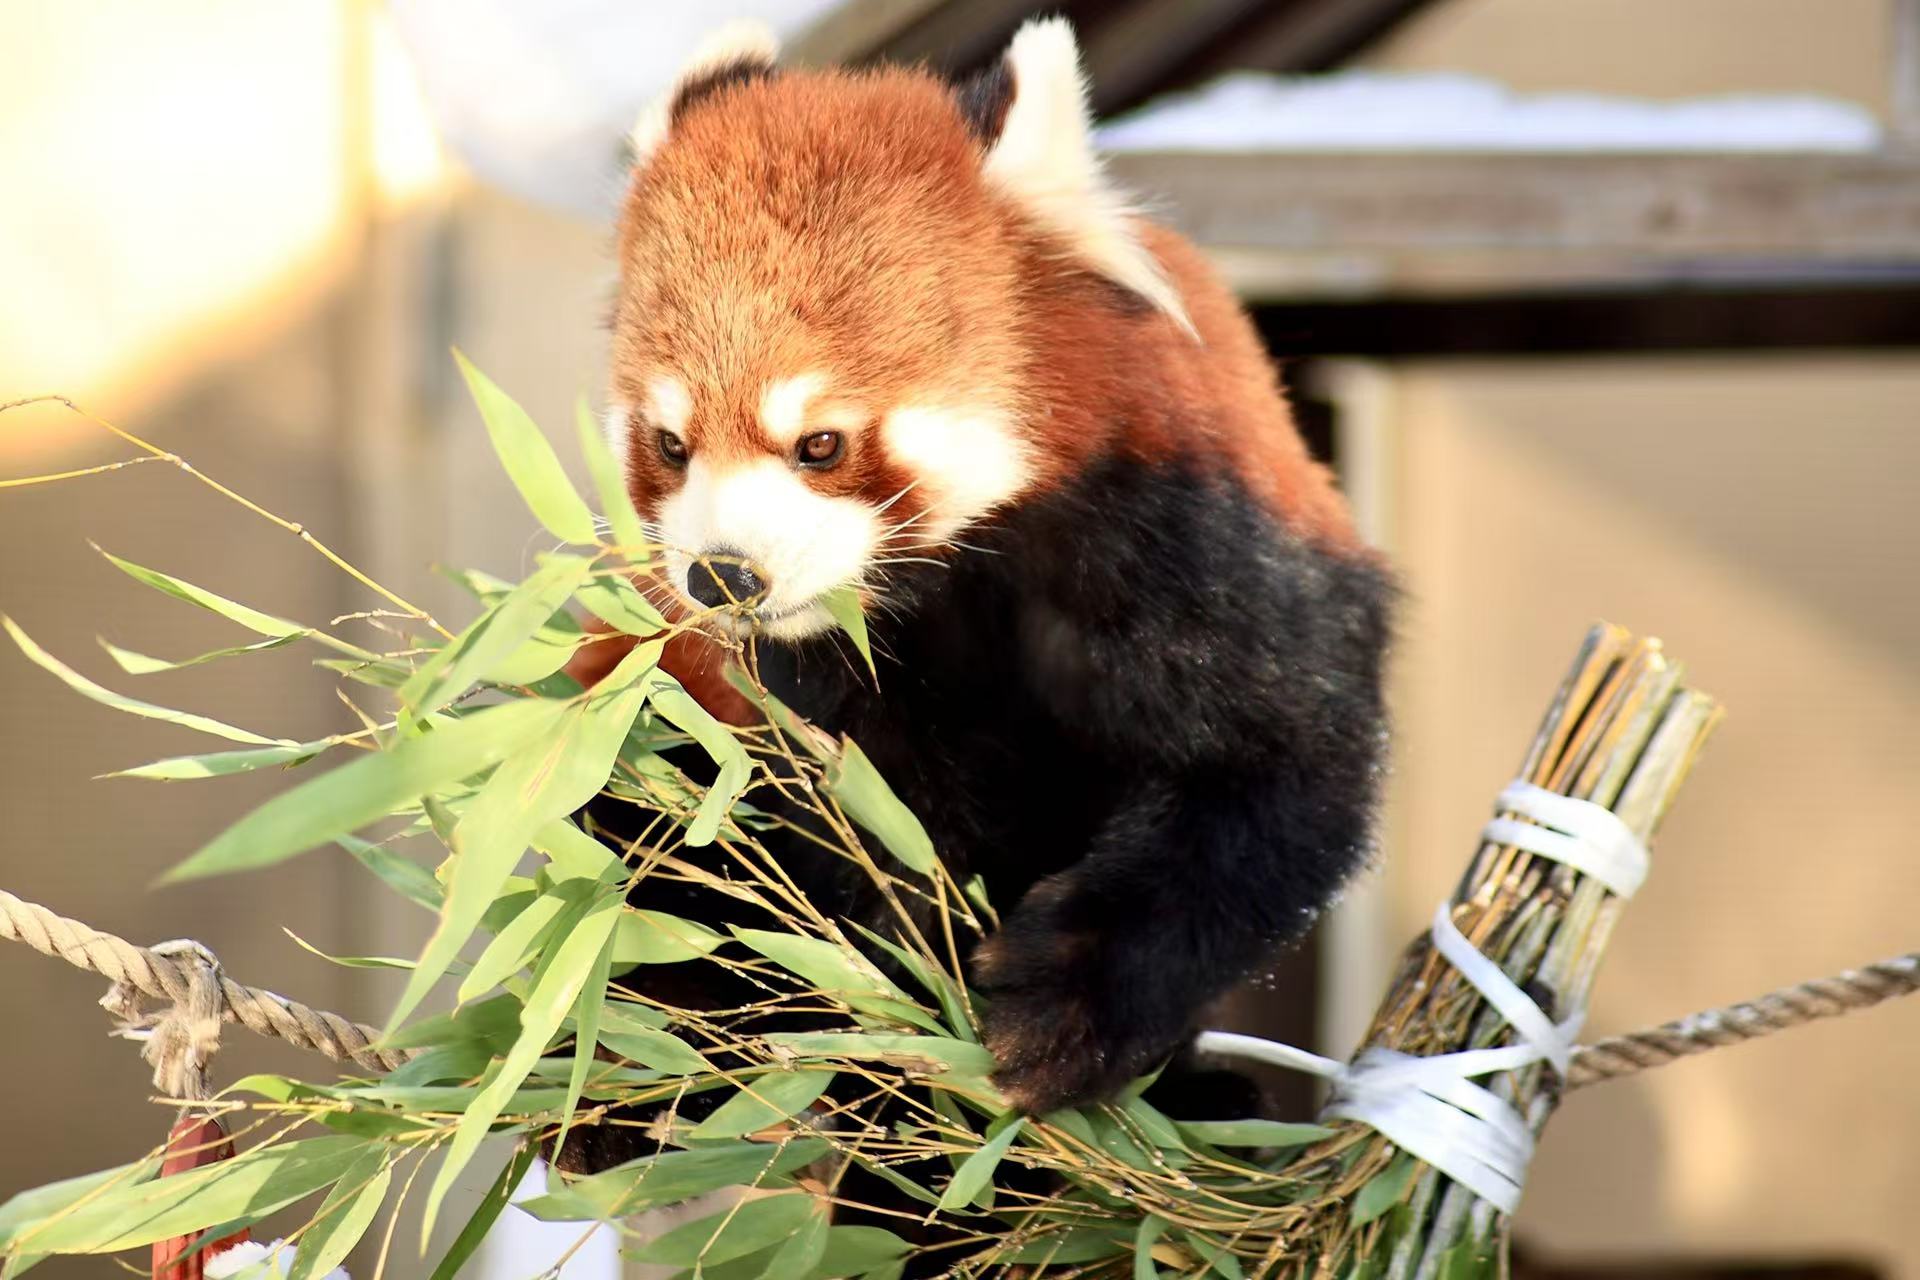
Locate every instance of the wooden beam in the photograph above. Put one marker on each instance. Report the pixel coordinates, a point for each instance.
(1808, 206)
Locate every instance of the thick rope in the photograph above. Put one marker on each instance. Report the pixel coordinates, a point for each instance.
(169, 978)
(172, 979)
(1845, 992)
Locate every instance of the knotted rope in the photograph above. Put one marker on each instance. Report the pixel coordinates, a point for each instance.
(172, 978)
(190, 982)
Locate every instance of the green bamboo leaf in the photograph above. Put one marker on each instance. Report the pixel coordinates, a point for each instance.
(826, 965)
(764, 1101)
(403, 875)
(934, 1054)
(1151, 1229)
(236, 1192)
(349, 797)
(654, 937)
(542, 654)
(529, 459)
(221, 764)
(1382, 1191)
(660, 1050)
(976, 1171)
(1076, 1244)
(586, 1033)
(344, 1216)
(626, 1015)
(853, 1251)
(21, 1213)
(803, 1248)
(139, 664)
(679, 709)
(132, 706)
(623, 522)
(555, 776)
(745, 1228)
(953, 1005)
(614, 600)
(522, 938)
(674, 1176)
(1253, 1133)
(556, 987)
(864, 794)
(1219, 1258)
(495, 636)
(843, 604)
(467, 1243)
(572, 852)
(252, 619)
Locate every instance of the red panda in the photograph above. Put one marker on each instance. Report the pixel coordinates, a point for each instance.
(875, 329)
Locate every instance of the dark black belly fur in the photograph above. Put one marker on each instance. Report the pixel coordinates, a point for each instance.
(1152, 721)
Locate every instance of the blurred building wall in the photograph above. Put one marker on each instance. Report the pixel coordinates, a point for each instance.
(1756, 514)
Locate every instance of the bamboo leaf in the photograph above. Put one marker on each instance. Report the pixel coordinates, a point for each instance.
(826, 965)
(654, 937)
(864, 794)
(661, 1050)
(237, 1192)
(855, 1250)
(529, 459)
(680, 710)
(220, 764)
(616, 503)
(573, 852)
(976, 1171)
(403, 875)
(344, 1216)
(252, 619)
(764, 1101)
(22, 1212)
(139, 664)
(1252, 1133)
(522, 938)
(560, 773)
(556, 987)
(467, 1243)
(843, 603)
(338, 802)
(803, 1248)
(586, 1033)
(745, 1228)
(1382, 1191)
(132, 706)
(936, 1054)
(1151, 1229)
(494, 636)
(673, 1176)
(615, 601)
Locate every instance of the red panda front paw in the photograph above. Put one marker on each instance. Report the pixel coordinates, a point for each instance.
(1050, 1020)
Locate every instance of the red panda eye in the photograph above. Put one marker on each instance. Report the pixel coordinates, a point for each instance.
(821, 449)
(673, 449)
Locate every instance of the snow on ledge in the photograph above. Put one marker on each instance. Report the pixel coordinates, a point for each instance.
(1445, 111)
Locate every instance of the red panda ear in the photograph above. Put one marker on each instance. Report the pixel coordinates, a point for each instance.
(1041, 154)
(735, 52)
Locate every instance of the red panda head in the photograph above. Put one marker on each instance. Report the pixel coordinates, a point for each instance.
(824, 357)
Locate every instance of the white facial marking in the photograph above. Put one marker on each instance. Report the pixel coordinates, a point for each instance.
(783, 406)
(669, 407)
(1044, 159)
(618, 428)
(803, 543)
(966, 461)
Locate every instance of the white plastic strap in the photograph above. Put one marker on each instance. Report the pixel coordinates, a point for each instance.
(1431, 1107)
(1585, 836)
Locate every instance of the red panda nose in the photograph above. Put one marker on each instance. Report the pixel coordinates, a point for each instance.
(724, 578)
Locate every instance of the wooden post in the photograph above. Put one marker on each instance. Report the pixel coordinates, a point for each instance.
(1903, 66)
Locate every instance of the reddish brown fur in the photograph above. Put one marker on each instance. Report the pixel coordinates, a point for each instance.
(839, 222)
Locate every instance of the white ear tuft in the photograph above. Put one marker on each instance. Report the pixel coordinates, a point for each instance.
(1044, 159)
(740, 41)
